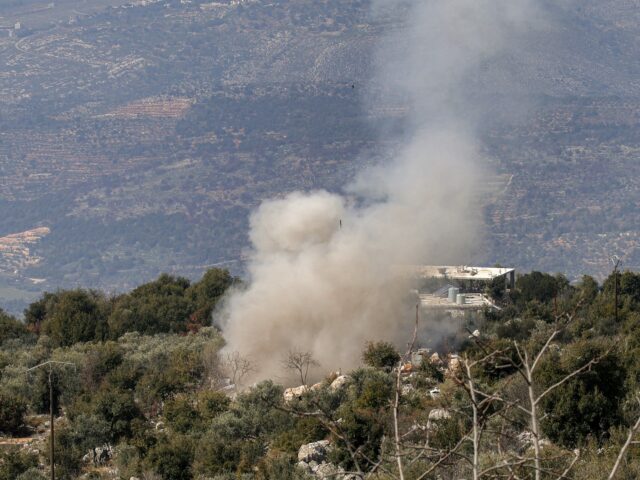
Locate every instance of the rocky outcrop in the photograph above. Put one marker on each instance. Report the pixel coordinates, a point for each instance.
(294, 393)
(437, 415)
(312, 458)
(339, 382)
(99, 456)
(314, 452)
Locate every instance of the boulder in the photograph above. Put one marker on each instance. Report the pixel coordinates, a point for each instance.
(293, 393)
(439, 414)
(454, 366)
(339, 382)
(406, 368)
(99, 456)
(435, 416)
(329, 471)
(435, 359)
(314, 452)
(304, 466)
(407, 389)
(316, 386)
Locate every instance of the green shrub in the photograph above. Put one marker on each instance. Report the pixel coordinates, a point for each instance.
(11, 328)
(15, 462)
(111, 407)
(155, 307)
(99, 361)
(279, 467)
(128, 460)
(75, 316)
(172, 458)
(587, 405)
(12, 411)
(68, 453)
(306, 430)
(32, 474)
(210, 404)
(180, 414)
(364, 415)
(380, 355)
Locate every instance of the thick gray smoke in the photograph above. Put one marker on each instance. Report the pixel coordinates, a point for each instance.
(321, 270)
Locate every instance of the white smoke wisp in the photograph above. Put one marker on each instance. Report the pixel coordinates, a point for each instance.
(321, 276)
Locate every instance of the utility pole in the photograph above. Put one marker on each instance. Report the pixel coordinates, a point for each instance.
(52, 457)
(616, 262)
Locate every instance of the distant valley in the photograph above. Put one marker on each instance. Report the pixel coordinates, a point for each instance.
(136, 138)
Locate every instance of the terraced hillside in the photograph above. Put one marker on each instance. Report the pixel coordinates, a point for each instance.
(142, 134)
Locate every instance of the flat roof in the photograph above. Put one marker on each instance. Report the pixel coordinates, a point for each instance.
(463, 272)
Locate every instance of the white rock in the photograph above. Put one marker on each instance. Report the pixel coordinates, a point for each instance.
(339, 382)
(329, 471)
(407, 389)
(99, 455)
(439, 414)
(435, 359)
(294, 392)
(313, 452)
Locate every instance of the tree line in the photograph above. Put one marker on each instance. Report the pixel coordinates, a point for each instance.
(548, 389)
(166, 305)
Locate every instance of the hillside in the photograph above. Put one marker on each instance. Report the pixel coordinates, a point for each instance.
(545, 386)
(142, 135)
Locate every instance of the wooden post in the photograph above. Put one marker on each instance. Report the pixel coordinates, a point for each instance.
(52, 455)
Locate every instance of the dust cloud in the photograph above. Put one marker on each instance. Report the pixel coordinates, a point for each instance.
(321, 270)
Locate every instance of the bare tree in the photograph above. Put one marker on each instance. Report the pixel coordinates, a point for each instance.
(212, 364)
(623, 451)
(236, 367)
(300, 363)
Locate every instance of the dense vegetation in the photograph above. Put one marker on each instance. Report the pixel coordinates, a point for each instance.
(148, 383)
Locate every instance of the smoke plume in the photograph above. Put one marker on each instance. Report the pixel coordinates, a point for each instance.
(321, 276)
